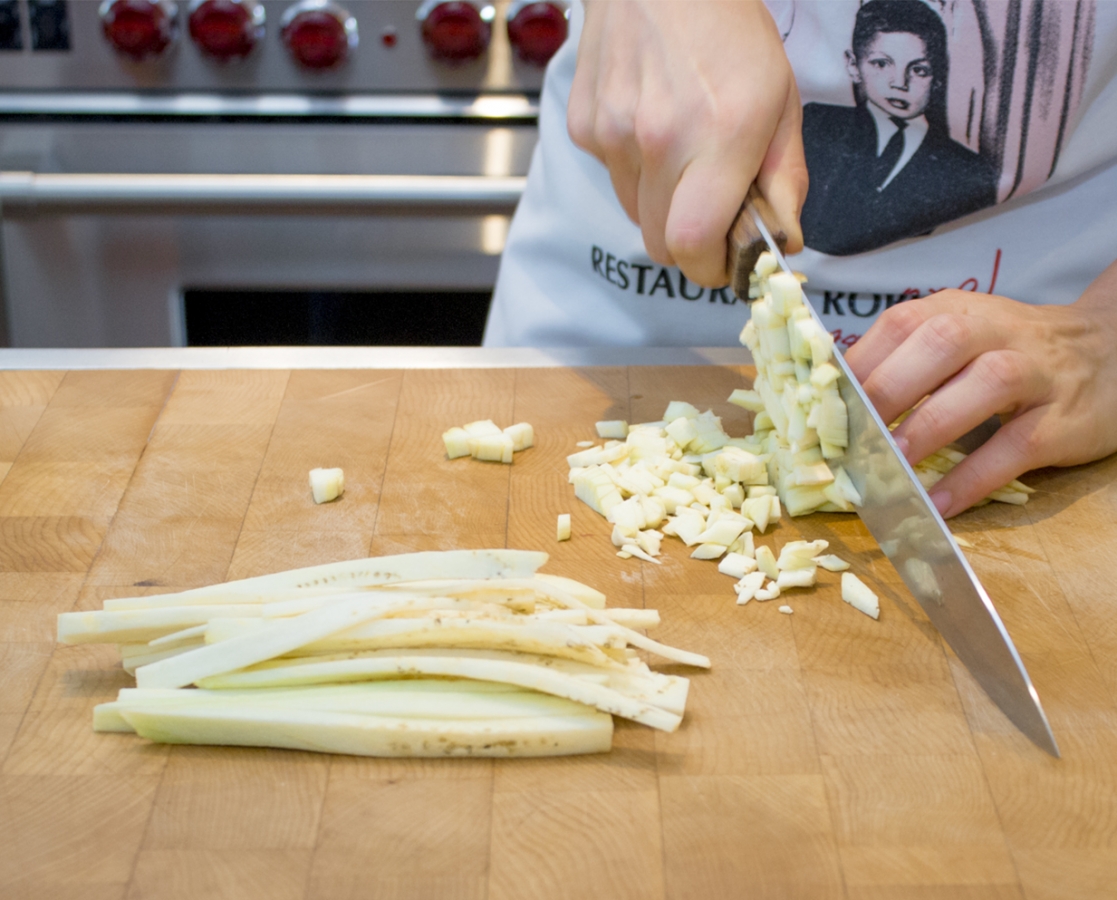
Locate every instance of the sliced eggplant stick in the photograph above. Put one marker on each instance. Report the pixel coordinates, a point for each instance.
(278, 637)
(351, 574)
(418, 663)
(361, 735)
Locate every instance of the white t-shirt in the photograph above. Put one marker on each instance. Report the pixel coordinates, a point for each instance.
(1023, 130)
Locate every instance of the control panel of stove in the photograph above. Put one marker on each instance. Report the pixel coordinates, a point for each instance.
(278, 45)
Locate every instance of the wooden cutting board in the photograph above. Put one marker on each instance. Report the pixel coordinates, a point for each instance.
(825, 755)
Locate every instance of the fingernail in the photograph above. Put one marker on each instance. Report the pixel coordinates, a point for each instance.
(942, 501)
(902, 443)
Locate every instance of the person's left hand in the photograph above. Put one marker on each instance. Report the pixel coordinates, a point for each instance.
(1049, 371)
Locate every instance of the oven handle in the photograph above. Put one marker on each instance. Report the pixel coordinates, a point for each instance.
(32, 193)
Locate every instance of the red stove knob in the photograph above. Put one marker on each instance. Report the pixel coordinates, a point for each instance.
(139, 28)
(318, 33)
(537, 30)
(226, 29)
(454, 30)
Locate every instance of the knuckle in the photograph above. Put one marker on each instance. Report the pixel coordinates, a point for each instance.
(1006, 373)
(1027, 444)
(688, 241)
(932, 421)
(947, 332)
(653, 133)
(885, 393)
(899, 321)
(610, 131)
(579, 129)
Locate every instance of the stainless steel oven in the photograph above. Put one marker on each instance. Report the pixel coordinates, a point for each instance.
(158, 157)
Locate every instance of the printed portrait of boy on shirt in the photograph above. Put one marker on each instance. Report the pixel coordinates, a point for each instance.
(887, 168)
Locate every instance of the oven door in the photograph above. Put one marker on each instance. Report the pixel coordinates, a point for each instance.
(108, 224)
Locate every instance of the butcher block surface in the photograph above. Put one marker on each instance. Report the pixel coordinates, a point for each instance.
(824, 755)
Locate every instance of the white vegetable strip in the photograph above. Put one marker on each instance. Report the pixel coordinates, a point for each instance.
(633, 637)
(179, 636)
(350, 575)
(580, 642)
(409, 664)
(532, 586)
(361, 735)
(132, 661)
(395, 601)
(133, 625)
(419, 699)
(276, 638)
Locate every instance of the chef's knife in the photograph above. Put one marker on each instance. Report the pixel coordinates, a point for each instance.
(899, 514)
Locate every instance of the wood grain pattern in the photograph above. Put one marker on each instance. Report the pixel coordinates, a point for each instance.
(824, 756)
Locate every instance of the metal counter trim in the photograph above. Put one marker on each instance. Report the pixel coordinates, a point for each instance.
(368, 357)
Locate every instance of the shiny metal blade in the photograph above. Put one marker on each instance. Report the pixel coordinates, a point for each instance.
(899, 514)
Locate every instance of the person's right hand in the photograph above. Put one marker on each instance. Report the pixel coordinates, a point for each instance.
(687, 104)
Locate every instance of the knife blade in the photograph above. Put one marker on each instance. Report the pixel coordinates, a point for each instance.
(900, 516)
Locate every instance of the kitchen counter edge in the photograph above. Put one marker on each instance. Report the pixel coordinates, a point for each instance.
(367, 357)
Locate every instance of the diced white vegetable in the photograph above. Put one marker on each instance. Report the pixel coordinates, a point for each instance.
(326, 484)
(649, 541)
(457, 442)
(744, 545)
(749, 400)
(801, 500)
(623, 535)
(612, 428)
(825, 375)
(725, 530)
(596, 489)
(679, 408)
(562, 531)
(759, 510)
(497, 447)
(796, 578)
(747, 587)
(766, 264)
(522, 435)
(655, 511)
(628, 514)
(858, 595)
(741, 466)
(786, 610)
(832, 563)
(634, 549)
(766, 562)
(481, 428)
(682, 430)
(843, 483)
(708, 551)
(688, 528)
(736, 565)
(786, 292)
(833, 421)
(735, 494)
(770, 592)
(800, 554)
